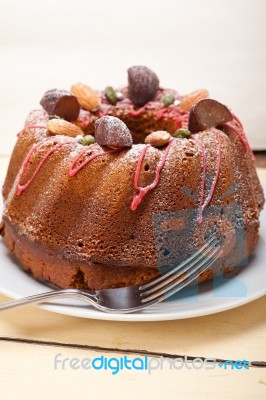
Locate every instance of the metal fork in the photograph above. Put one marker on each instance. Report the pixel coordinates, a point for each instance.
(135, 298)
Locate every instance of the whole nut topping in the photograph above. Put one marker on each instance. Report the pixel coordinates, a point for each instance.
(168, 99)
(112, 132)
(86, 96)
(192, 98)
(158, 138)
(61, 103)
(207, 114)
(87, 140)
(111, 95)
(61, 127)
(181, 133)
(143, 84)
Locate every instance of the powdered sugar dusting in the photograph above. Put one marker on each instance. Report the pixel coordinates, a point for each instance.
(74, 157)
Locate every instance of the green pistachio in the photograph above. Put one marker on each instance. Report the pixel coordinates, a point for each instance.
(87, 140)
(54, 117)
(185, 133)
(168, 99)
(111, 95)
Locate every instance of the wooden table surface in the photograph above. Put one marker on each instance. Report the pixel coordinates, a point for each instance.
(30, 338)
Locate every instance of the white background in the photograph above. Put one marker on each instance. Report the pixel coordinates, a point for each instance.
(215, 44)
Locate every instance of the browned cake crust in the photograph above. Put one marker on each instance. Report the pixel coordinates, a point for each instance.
(49, 265)
(80, 231)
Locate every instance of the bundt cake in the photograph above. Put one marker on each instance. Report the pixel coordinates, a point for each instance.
(108, 189)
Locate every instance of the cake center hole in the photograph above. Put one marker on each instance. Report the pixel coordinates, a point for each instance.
(141, 126)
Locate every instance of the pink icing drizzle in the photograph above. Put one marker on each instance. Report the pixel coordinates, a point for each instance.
(173, 112)
(207, 201)
(182, 119)
(73, 170)
(143, 191)
(20, 187)
(29, 127)
(160, 114)
(239, 131)
(136, 113)
(217, 170)
(203, 174)
(101, 113)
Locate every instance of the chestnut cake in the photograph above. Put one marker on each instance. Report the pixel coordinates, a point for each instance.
(92, 170)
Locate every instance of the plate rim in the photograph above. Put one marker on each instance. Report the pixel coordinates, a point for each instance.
(138, 317)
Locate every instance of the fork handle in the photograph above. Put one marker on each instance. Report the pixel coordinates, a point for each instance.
(43, 297)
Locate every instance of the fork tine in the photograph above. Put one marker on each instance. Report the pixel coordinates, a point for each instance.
(181, 265)
(207, 254)
(175, 286)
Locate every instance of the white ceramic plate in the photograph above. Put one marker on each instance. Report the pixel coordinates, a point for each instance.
(248, 285)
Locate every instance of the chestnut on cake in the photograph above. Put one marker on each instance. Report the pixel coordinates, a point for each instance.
(99, 180)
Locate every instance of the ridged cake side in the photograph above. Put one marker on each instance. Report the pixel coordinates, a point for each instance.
(80, 231)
